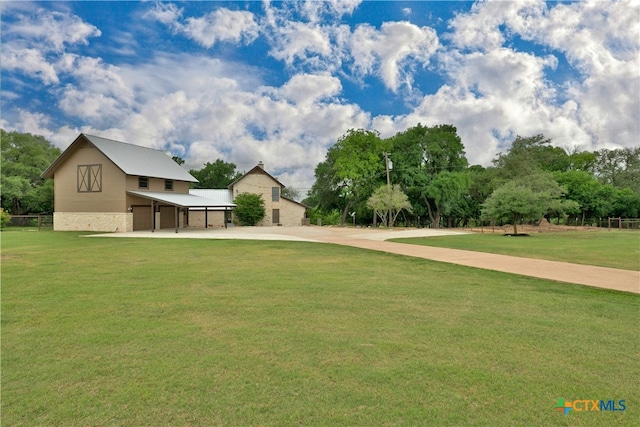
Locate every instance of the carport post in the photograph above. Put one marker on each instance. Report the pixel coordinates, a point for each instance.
(176, 208)
(153, 217)
(206, 217)
(224, 218)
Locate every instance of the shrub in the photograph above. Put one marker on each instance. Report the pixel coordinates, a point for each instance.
(249, 209)
(4, 218)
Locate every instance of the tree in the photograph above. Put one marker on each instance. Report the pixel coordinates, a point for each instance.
(619, 168)
(529, 155)
(383, 201)
(216, 175)
(290, 193)
(250, 208)
(420, 155)
(626, 204)
(446, 190)
(24, 158)
(179, 160)
(528, 199)
(594, 199)
(352, 168)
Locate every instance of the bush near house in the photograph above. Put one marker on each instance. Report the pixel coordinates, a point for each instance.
(249, 209)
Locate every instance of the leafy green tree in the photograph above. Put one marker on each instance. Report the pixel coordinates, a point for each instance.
(385, 201)
(626, 204)
(619, 168)
(24, 158)
(353, 167)
(529, 155)
(420, 155)
(594, 199)
(527, 199)
(218, 174)
(250, 208)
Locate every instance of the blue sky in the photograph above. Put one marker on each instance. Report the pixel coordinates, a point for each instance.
(282, 81)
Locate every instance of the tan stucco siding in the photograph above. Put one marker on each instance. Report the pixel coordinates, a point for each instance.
(291, 213)
(92, 221)
(157, 185)
(111, 197)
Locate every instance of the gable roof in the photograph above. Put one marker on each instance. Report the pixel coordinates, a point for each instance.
(130, 159)
(257, 169)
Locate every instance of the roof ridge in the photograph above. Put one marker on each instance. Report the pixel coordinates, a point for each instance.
(122, 142)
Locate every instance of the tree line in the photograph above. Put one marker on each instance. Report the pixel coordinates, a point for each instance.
(422, 177)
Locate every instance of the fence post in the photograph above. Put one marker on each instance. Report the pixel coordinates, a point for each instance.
(619, 223)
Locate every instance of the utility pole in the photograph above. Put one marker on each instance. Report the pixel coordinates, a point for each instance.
(386, 166)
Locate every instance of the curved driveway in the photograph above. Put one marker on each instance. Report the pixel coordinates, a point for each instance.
(375, 239)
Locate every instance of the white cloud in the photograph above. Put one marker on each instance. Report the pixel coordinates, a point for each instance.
(30, 62)
(222, 25)
(165, 13)
(392, 51)
(49, 30)
(302, 41)
(305, 89)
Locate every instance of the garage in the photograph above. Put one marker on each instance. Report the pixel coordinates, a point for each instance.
(141, 218)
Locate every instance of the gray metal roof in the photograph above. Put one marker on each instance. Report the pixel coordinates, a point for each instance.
(219, 196)
(181, 199)
(142, 161)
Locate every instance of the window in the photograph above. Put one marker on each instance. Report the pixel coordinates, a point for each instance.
(168, 185)
(275, 194)
(143, 182)
(275, 216)
(89, 178)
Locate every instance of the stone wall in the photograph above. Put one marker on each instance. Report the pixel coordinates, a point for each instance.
(93, 221)
(215, 219)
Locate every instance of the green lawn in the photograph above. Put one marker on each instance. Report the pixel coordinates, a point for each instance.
(99, 331)
(615, 249)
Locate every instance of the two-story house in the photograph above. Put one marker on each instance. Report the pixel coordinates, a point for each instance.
(106, 185)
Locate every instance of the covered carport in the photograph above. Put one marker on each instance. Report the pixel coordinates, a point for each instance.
(177, 201)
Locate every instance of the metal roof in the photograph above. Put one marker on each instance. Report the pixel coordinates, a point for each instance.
(142, 161)
(131, 159)
(181, 199)
(218, 195)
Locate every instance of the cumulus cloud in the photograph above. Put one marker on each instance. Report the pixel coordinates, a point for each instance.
(221, 25)
(49, 30)
(386, 52)
(30, 62)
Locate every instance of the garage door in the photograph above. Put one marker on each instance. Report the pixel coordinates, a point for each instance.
(141, 218)
(167, 217)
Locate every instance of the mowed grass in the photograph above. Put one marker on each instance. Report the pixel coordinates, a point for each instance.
(614, 249)
(113, 331)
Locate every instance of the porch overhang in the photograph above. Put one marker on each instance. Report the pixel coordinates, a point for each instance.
(181, 200)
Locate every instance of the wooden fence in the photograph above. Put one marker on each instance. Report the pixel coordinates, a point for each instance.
(41, 221)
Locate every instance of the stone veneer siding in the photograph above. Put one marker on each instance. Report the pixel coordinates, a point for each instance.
(92, 221)
(215, 219)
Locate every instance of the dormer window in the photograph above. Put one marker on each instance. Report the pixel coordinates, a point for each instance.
(168, 185)
(143, 182)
